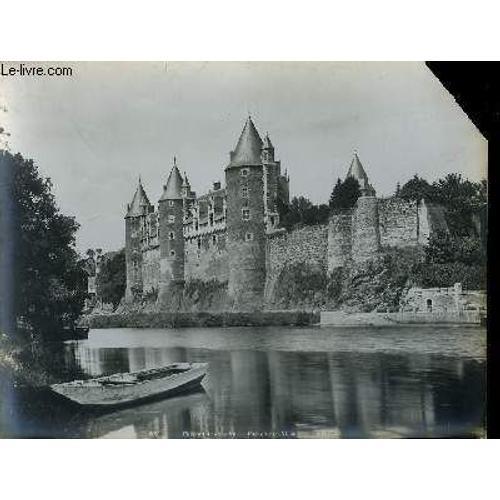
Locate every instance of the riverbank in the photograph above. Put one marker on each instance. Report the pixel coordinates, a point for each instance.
(342, 319)
(203, 319)
(280, 318)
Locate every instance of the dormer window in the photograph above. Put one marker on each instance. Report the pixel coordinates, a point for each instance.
(170, 203)
(171, 218)
(249, 237)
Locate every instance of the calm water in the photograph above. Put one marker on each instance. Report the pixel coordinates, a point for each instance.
(274, 382)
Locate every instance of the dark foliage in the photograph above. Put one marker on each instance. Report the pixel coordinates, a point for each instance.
(429, 275)
(453, 259)
(416, 189)
(462, 199)
(344, 194)
(111, 279)
(302, 212)
(444, 248)
(300, 286)
(375, 285)
(49, 285)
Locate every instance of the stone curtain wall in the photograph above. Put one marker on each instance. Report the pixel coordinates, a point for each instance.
(339, 240)
(398, 222)
(306, 246)
(435, 220)
(208, 262)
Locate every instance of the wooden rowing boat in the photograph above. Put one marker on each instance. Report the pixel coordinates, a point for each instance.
(123, 389)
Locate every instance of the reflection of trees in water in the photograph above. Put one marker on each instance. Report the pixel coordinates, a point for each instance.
(460, 399)
(353, 394)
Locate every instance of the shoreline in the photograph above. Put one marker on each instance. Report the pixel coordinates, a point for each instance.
(203, 319)
(280, 318)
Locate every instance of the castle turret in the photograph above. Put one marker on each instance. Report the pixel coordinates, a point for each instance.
(357, 171)
(245, 220)
(267, 150)
(365, 225)
(171, 239)
(186, 186)
(137, 211)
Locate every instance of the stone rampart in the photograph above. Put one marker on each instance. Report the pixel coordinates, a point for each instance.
(398, 222)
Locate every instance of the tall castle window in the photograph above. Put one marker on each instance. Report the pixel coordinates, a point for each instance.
(214, 239)
(171, 236)
(199, 243)
(244, 192)
(170, 203)
(245, 214)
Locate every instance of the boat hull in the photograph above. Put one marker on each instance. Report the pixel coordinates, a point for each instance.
(97, 395)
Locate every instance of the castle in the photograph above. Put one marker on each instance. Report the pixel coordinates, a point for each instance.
(231, 234)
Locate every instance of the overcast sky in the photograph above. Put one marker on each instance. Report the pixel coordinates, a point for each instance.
(95, 132)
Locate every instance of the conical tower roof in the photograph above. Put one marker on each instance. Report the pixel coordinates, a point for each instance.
(173, 188)
(140, 202)
(247, 151)
(357, 171)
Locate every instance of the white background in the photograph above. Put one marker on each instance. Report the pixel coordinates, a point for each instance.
(249, 30)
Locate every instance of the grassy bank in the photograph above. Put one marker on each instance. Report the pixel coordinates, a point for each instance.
(203, 319)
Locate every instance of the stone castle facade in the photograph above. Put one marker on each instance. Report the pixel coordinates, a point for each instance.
(231, 234)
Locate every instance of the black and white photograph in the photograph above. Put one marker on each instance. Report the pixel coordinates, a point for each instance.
(241, 250)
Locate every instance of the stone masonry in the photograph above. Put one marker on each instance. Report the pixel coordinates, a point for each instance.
(232, 233)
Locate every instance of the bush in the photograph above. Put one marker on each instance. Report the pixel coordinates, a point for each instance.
(472, 277)
(299, 285)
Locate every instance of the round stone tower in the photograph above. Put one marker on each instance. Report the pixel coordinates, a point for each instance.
(246, 242)
(137, 210)
(171, 239)
(365, 223)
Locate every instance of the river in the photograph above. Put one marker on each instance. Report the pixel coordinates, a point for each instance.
(274, 383)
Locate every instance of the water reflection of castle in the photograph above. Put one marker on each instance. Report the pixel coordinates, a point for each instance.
(318, 394)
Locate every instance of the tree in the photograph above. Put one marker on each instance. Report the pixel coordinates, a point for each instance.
(302, 212)
(462, 199)
(344, 194)
(416, 189)
(444, 248)
(49, 285)
(111, 279)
